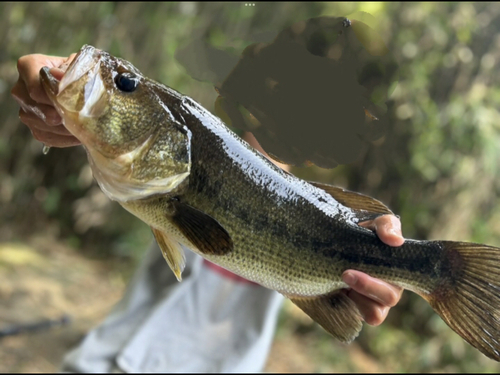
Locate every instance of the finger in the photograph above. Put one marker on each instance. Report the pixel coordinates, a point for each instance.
(388, 229)
(20, 93)
(64, 66)
(45, 112)
(379, 291)
(372, 312)
(29, 68)
(386, 222)
(54, 140)
(34, 122)
(57, 73)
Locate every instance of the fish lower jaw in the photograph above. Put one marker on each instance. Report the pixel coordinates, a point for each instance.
(71, 121)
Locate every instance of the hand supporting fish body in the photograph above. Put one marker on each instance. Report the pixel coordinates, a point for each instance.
(177, 167)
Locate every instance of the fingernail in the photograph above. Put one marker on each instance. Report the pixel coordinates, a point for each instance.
(56, 69)
(393, 232)
(396, 223)
(58, 73)
(53, 118)
(349, 278)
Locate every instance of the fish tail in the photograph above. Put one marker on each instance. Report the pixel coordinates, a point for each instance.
(468, 295)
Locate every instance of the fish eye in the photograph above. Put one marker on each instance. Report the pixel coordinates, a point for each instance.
(346, 22)
(126, 81)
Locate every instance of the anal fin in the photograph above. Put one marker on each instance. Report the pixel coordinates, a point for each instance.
(335, 312)
(172, 252)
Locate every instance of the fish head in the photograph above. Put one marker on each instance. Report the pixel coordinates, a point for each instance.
(136, 147)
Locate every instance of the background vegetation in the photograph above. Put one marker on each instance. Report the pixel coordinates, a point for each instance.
(438, 165)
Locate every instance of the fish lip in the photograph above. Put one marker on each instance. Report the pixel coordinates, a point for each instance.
(49, 82)
(84, 61)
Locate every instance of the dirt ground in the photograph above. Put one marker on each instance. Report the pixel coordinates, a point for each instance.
(43, 279)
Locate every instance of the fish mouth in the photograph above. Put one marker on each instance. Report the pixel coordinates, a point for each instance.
(80, 93)
(49, 83)
(86, 59)
(83, 62)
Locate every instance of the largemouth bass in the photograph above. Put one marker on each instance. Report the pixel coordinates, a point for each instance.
(177, 167)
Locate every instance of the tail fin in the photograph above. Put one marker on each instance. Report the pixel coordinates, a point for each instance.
(469, 299)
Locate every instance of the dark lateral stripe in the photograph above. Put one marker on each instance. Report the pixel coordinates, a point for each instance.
(412, 257)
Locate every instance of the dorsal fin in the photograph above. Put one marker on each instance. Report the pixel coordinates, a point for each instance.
(365, 207)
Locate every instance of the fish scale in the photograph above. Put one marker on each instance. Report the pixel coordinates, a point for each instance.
(178, 168)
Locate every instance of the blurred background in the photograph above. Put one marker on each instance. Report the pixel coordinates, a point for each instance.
(66, 249)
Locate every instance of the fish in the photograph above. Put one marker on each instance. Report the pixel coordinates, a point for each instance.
(177, 167)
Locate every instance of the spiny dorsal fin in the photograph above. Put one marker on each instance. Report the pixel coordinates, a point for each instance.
(172, 252)
(202, 230)
(335, 312)
(356, 201)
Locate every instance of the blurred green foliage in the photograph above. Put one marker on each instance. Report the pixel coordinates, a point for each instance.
(438, 165)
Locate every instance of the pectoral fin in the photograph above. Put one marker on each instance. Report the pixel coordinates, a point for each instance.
(202, 230)
(172, 252)
(335, 312)
(366, 207)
